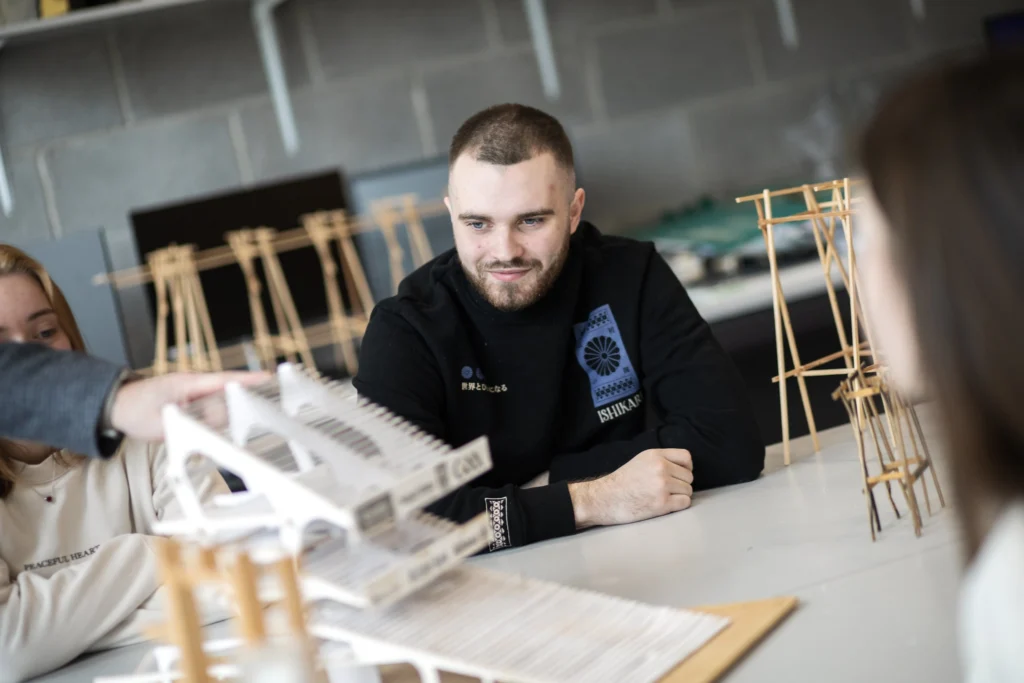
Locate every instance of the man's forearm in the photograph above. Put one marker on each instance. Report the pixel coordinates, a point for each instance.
(586, 506)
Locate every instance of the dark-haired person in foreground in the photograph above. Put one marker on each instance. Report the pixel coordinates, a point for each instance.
(555, 341)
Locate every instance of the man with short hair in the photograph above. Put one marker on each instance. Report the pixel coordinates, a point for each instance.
(556, 342)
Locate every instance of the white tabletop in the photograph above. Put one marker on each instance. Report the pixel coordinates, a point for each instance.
(882, 610)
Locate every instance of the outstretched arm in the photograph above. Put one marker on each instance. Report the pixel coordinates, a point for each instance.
(75, 401)
(55, 397)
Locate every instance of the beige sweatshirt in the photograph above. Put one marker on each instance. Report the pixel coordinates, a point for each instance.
(79, 573)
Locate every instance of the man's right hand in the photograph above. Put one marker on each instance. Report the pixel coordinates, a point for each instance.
(654, 483)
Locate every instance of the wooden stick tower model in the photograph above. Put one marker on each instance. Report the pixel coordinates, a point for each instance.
(179, 291)
(248, 246)
(388, 214)
(829, 207)
(183, 569)
(333, 509)
(174, 273)
(896, 461)
(325, 228)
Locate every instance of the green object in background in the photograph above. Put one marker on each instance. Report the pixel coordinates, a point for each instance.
(712, 229)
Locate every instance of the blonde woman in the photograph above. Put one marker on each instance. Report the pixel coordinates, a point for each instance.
(77, 566)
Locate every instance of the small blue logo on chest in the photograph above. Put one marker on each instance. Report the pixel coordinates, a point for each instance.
(602, 355)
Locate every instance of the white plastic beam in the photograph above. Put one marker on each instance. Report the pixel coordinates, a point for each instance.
(273, 66)
(537, 18)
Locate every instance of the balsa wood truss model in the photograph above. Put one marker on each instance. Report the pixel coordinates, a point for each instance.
(179, 292)
(897, 462)
(174, 271)
(831, 208)
(329, 556)
(250, 246)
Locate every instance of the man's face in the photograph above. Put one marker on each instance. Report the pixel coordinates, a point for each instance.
(512, 226)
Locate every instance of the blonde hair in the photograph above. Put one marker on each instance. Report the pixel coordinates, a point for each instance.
(14, 261)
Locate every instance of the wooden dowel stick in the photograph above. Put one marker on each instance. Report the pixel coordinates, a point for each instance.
(185, 629)
(240, 242)
(207, 324)
(335, 305)
(417, 234)
(250, 614)
(218, 257)
(160, 284)
(178, 304)
(924, 446)
(795, 354)
(396, 256)
(779, 348)
(195, 334)
(272, 266)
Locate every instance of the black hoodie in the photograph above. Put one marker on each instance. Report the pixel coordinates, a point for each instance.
(614, 360)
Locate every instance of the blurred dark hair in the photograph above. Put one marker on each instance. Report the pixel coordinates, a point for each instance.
(508, 134)
(944, 156)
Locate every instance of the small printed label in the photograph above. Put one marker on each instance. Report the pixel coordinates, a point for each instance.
(420, 490)
(496, 511)
(465, 466)
(427, 566)
(489, 388)
(377, 513)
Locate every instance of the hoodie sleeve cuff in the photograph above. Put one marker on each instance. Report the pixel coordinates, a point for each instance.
(547, 512)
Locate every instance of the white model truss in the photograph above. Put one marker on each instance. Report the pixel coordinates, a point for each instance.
(340, 484)
(309, 452)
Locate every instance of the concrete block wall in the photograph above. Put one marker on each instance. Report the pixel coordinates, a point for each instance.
(664, 99)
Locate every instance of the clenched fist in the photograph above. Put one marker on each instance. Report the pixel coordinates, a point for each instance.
(654, 483)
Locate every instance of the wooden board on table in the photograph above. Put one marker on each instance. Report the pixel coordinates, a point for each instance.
(749, 623)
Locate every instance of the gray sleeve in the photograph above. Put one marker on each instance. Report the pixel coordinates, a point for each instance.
(55, 397)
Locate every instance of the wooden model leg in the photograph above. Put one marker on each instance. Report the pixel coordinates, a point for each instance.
(904, 465)
(178, 304)
(824, 256)
(909, 480)
(207, 324)
(185, 628)
(801, 381)
(158, 268)
(922, 463)
(780, 350)
(852, 256)
(869, 496)
(195, 335)
(396, 257)
(340, 331)
(250, 613)
(881, 462)
(924, 446)
(279, 284)
(353, 269)
(240, 241)
(417, 235)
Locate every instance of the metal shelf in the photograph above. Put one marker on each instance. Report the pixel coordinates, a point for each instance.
(87, 17)
(266, 36)
(262, 12)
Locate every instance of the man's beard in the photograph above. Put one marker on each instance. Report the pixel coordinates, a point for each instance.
(515, 296)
